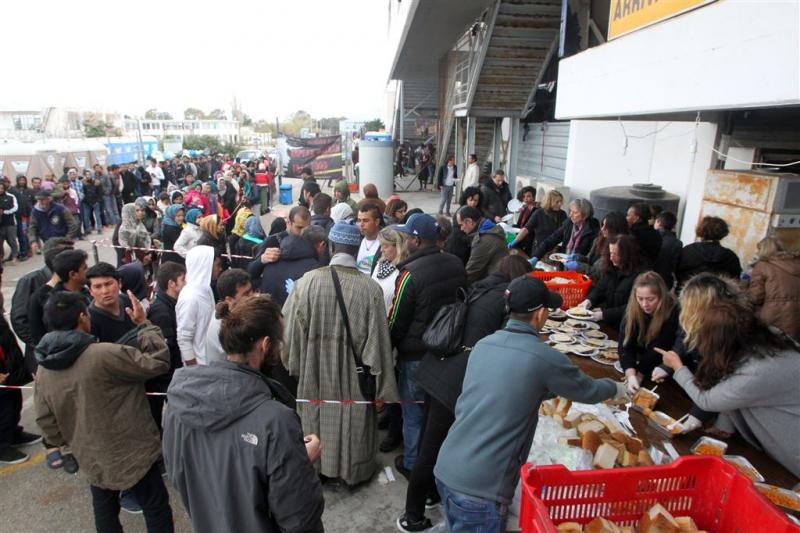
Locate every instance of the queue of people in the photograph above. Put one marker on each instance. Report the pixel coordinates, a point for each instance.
(335, 305)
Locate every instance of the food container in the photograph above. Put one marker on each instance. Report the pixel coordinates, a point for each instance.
(784, 498)
(709, 446)
(745, 467)
(645, 399)
(664, 424)
(711, 491)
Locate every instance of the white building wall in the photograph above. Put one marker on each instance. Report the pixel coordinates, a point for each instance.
(730, 54)
(656, 152)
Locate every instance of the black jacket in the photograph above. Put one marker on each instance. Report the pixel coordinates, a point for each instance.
(458, 243)
(442, 377)
(443, 174)
(542, 223)
(323, 221)
(110, 328)
(645, 358)
(707, 256)
(649, 241)
(495, 200)
(562, 236)
(162, 314)
(611, 294)
(92, 194)
(25, 200)
(20, 304)
(668, 256)
(256, 266)
(225, 421)
(297, 258)
(428, 279)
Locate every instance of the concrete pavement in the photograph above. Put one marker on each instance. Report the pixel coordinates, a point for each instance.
(35, 499)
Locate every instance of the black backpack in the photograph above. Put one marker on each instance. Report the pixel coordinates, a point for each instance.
(443, 335)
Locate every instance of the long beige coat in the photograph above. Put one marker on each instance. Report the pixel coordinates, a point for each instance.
(98, 406)
(317, 353)
(775, 290)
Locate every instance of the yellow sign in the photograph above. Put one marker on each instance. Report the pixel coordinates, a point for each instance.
(629, 15)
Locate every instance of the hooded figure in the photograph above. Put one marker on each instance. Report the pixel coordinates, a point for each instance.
(342, 194)
(195, 306)
(341, 212)
(488, 249)
(297, 258)
(132, 232)
(190, 234)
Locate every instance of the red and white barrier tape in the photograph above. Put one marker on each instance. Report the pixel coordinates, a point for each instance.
(101, 244)
(298, 400)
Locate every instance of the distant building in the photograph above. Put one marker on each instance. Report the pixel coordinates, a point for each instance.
(224, 130)
(27, 125)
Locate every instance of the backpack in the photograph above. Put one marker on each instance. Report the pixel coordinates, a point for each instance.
(443, 335)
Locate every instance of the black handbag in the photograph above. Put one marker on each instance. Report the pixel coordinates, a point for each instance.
(443, 335)
(366, 381)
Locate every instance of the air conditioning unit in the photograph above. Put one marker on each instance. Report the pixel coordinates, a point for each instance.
(542, 187)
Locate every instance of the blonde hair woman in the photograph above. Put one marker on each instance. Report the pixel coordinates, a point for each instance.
(393, 252)
(747, 372)
(542, 223)
(650, 322)
(775, 286)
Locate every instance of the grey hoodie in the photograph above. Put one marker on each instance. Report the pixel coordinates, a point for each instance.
(236, 454)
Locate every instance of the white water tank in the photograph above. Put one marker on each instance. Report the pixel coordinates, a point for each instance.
(376, 162)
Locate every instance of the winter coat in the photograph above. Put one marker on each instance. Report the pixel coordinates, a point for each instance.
(668, 256)
(648, 239)
(25, 200)
(775, 291)
(442, 377)
(323, 221)
(645, 358)
(488, 249)
(707, 256)
(224, 422)
(92, 194)
(495, 200)
(611, 294)
(458, 243)
(187, 239)
(441, 176)
(162, 314)
(90, 395)
(20, 315)
(195, 306)
(563, 234)
(297, 258)
(428, 279)
(55, 222)
(8, 209)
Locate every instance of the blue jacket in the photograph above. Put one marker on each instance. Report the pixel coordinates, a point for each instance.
(509, 374)
(56, 222)
(297, 258)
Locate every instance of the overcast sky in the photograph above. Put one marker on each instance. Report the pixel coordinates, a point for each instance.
(328, 57)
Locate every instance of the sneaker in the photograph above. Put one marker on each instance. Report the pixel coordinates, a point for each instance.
(128, 503)
(433, 501)
(390, 443)
(24, 438)
(400, 467)
(404, 524)
(69, 463)
(12, 456)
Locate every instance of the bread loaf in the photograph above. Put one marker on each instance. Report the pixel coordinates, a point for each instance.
(605, 457)
(601, 525)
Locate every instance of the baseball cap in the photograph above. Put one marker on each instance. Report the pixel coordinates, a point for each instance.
(41, 193)
(527, 294)
(420, 225)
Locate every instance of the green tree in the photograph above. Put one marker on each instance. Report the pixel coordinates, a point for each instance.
(192, 113)
(207, 142)
(155, 114)
(94, 126)
(375, 124)
(217, 114)
(264, 126)
(297, 121)
(246, 120)
(330, 124)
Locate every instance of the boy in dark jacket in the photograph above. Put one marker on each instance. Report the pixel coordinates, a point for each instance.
(496, 196)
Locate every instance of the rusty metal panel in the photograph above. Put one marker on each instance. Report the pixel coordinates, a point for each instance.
(751, 190)
(747, 227)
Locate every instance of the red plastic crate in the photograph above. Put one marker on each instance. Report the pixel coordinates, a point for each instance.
(572, 293)
(711, 491)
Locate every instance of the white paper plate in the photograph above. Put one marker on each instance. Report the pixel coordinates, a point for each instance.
(586, 354)
(603, 361)
(602, 337)
(572, 339)
(557, 314)
(561, 258)
(618, 367)
(580, 317)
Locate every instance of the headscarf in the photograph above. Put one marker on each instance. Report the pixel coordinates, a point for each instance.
(278, 225)
(141, 203)
(242, 216)
(175, 193)
(341, 187)
(254, 229)
(221, 186)
(133, 279)
(341, 211)
(192, 215)
(170, 213)
(132, 232)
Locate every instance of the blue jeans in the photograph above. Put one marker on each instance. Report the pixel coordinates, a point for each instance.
(110, 208)
(470, 514)
(86, 211)
(22, 237)
(412, 413)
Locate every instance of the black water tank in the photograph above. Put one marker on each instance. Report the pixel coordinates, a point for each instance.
(621, 198)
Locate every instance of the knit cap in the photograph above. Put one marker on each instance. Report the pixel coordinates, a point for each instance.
(344, 233)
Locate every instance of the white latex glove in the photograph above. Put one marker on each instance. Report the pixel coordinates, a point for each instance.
(597, 315)
(622, 396)
(289, 285)
(659, 374)
(585, 304)
(632, 384)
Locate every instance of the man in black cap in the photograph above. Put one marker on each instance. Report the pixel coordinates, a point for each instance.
(508, 375)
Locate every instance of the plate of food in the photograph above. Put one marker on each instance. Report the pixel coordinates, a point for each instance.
(552, 324)
(594, 333)
(579, 313)
(578, 324)
(618, 367)
(561, 258)
(612, 345)
(563, 348)
(594, 343)
(583, 351)
(606, 357)
(562, 338)
(563, 328)
(557, 314)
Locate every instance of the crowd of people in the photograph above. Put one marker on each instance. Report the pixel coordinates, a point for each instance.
(227, 324)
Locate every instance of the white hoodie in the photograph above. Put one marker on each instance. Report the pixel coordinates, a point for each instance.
(195, 307)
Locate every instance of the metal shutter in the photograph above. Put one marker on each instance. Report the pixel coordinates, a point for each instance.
(553, 138)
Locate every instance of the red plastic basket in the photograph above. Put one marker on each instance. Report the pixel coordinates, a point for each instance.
(711, 491)
(573, 292)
